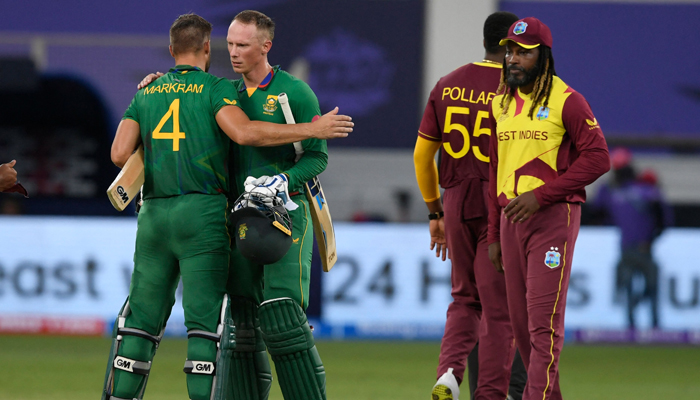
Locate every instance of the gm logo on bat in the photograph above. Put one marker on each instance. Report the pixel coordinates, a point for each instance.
(122, 193)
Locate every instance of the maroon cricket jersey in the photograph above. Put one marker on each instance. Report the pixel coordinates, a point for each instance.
(457, 114)
(555, 154)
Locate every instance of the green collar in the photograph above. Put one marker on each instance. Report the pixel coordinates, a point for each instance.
(183, 69)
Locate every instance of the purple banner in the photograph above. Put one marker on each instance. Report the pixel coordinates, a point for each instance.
(362, 56)
(630, 61)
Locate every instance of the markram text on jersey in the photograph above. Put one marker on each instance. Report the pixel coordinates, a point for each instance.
(173, 88)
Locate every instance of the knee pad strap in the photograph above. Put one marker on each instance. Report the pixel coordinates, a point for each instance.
(133, 366)
(199, 367)
(121, 331)
(214, 337)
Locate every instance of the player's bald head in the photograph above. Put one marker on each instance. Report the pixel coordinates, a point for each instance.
(189, 33)
(264, 24)
(496, 28)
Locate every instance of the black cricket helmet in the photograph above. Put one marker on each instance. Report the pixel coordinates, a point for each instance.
(263, 229)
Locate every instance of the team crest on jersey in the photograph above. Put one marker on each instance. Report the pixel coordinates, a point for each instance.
(520, 28)
(270, 104)
(552, 258)
(242, 228)
(543, 113)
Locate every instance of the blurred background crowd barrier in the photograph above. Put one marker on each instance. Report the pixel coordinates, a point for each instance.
(67, 73)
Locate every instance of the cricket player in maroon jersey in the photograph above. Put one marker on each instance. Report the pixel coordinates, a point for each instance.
(547, 146)
(456, 119)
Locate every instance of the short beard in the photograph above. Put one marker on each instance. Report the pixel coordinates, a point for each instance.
(530, 76)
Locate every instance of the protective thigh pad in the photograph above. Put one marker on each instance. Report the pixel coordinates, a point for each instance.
(225, 339)
(251, 376)
(136, 367)
(291, 344)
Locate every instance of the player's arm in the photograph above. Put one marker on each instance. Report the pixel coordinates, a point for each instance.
(593, 159)
(427, 177)
(237, 126)
(427, 173)
(243, 131)
(126, 140)
(428, 143)
(313, 162)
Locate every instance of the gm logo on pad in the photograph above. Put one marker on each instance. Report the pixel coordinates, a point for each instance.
(124, 364)
(202, 367)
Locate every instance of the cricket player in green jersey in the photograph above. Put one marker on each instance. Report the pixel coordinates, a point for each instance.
(280, 291)
(186, 121)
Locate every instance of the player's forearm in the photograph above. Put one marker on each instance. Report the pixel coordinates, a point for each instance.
(311, 164)
(589, 166)
(426, 169)
(266, 134)
(434, 206)
(126, 140)
(239, 128)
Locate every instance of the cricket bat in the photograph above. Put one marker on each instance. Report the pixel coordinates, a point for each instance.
(320, 213)
(129, 181)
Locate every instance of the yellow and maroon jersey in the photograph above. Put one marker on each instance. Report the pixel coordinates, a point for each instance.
(457, 114)
(556, 153)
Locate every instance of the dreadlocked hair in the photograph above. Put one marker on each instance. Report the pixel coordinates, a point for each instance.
(543, 84)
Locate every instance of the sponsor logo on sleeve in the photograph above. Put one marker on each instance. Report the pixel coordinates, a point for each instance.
(552, 258)
(232, 102)
(593, 124)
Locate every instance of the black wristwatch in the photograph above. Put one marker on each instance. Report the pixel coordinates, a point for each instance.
(436, 215)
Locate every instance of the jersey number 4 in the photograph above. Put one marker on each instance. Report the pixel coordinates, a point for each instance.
(478, 131)
(175, 135)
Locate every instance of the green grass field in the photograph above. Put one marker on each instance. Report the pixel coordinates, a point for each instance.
(73, 369)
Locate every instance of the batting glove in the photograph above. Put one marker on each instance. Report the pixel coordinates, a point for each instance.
(279, 185)
(252, 182)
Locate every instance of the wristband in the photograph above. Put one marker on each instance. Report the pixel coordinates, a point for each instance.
(436, 215)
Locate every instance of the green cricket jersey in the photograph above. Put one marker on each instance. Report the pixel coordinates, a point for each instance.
(185, 151)
(262, 105)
